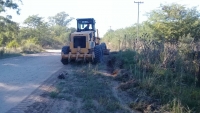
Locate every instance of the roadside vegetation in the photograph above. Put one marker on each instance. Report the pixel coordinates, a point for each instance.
(165, 58)
(91, 89)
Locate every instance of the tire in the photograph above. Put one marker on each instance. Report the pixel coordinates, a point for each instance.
(104, 45)
(98, 54)
(65, 50)
(102, 49)
(64, 61)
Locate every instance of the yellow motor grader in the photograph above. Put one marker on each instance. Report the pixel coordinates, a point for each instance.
(84, 44)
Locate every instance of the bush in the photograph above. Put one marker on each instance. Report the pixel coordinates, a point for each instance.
(30, 48)
(12, 44)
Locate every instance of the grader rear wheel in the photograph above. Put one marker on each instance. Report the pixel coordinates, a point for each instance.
(105, 51)
(98, 54)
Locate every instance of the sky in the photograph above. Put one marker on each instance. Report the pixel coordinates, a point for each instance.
(114, 14)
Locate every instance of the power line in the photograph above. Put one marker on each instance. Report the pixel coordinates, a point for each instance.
(138, 17)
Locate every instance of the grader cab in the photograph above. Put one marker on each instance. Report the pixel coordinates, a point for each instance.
(84, 44)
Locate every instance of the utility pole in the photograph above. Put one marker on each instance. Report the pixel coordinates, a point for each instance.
(138, 17)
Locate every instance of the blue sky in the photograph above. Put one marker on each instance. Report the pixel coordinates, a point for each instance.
(114, 13)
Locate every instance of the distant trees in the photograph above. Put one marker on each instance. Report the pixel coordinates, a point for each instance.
(60, 19)
(169, 22)
(34, 21)
(53, 33)
(173, 21)
(59, 27)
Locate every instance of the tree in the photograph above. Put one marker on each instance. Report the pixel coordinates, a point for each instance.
(34, 21)
(46, 34)
(60, 19)
(8, 30)
(36, 29)
(173, 21)
(11, 4)
(59, 27)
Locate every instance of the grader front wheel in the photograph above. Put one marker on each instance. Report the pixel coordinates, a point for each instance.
(65, 50)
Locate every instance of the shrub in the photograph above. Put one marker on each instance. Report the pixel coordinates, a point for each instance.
(31, 48)
(12, 44)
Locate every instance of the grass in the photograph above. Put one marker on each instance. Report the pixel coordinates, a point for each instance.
(90, 88)
(167, 74)
(53, 94)
(14, 52)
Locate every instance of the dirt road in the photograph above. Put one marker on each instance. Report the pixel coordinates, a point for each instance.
(20, 76)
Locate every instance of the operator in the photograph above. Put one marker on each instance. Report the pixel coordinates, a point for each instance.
(87, 27)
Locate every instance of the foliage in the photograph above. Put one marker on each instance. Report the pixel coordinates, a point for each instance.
(11, 4)
(34, 21)
(12, 44)
(54, 33)
(51, 34)
(174, 20)
(168, 23)
(8, 31)
(30, 48)
(60, 19)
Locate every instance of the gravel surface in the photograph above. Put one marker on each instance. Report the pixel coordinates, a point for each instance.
(20, 76)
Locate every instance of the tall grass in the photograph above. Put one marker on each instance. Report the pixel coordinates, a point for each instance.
(169, 70)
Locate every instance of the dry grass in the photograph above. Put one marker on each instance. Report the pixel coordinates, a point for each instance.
(169, 71)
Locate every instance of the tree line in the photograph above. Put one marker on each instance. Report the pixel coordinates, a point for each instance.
(170, 22)
(35, 30)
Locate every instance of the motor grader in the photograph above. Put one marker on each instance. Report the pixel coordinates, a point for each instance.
(84, 44)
